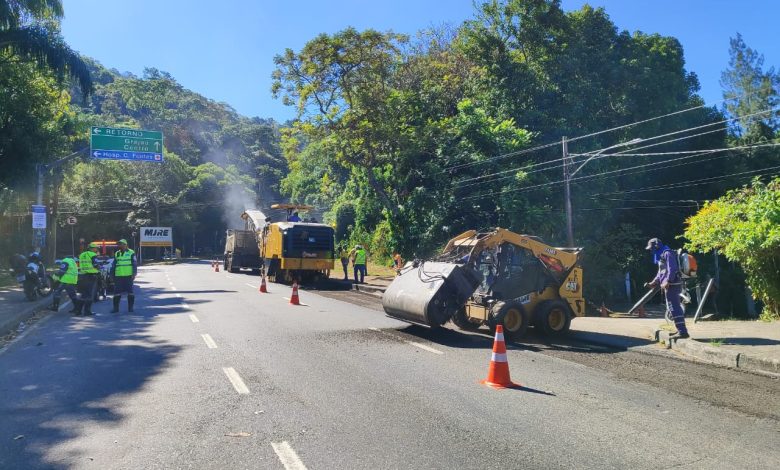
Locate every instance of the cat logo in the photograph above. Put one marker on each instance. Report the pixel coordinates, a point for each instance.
(551, 251)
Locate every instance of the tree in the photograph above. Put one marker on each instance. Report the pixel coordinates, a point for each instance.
(744, 225)
(28, 31)
(751, 92)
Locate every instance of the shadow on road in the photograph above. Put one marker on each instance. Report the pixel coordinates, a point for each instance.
(76, 372)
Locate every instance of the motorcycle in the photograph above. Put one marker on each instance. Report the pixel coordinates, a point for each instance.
(35, 282)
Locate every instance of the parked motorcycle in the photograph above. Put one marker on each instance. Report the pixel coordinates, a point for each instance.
(34, 281)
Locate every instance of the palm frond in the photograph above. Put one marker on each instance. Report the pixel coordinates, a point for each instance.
(13, 12)
(48, 51)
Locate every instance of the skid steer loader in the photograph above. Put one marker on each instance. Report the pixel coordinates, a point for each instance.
(491, 278)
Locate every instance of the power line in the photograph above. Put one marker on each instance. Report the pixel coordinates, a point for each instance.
(601, 175)
(624, 126)
(559, 164)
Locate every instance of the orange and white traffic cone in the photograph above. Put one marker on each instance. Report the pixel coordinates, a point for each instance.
(294, 297)
(263, 287)
(498, 372)
(216, 266)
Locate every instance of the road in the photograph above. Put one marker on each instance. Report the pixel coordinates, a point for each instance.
(209, 373)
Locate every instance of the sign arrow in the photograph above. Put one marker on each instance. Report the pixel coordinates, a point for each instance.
(96, 131)
(96, 154)
(157, 146)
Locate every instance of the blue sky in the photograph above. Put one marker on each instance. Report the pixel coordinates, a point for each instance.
(224, 50)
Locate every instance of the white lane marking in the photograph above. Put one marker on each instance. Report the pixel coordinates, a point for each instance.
(184, 305)
(194, 318)
(287, 456)
(209, 341)
(178, 295)
(424, 347)
(235, 380)
(173, 287)
(411, 343)
(253, 287)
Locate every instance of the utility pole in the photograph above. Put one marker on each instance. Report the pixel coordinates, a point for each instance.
(567, 192)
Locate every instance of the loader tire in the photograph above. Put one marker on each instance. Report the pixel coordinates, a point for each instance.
(461, 320)
(513, 317)
(552, 318)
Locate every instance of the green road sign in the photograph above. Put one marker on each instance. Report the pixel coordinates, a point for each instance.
(111, 143)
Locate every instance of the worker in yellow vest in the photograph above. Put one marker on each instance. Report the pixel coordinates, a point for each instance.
(359, 263)
(88, 276)
(68, 275)
(124, 271)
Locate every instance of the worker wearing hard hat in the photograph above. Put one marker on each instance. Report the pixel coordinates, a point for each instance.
(88, 276)
(669, 278)
(124, 270)
(359, 263)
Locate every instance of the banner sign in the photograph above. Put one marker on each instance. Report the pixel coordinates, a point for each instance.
(38, 216)
(156, 236)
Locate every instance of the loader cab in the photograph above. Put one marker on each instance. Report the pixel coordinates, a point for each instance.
(510, 271)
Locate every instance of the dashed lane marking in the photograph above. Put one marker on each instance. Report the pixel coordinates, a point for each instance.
(194, 319)
(253, 287)
(185, 306)
(178, 295)
(209, 341)
(235, 380)
(287, 456)
(173, 287)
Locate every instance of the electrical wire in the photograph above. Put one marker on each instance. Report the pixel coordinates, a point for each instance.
(624, 126)
(600, 175)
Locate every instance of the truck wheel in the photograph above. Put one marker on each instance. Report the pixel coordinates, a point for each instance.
(461, 320)
(552, 317)
(513, 317)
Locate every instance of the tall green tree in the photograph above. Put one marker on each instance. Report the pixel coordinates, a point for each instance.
(29, 31)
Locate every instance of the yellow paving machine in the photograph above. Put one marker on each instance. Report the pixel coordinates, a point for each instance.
(292, 250)
(491, 278)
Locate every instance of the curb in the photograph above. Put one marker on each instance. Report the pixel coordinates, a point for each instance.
(369, 289)
(718, 356)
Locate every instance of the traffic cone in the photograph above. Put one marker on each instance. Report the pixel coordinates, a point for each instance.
(498, 372)
(216, 266)
(294, 297)
(263, 288)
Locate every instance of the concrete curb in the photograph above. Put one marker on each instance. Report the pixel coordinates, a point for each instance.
(719, 356)
(376, 291)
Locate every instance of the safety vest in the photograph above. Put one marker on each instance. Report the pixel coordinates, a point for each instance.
(71, 276)
(124, 263)
(85, 263)
(360, 257)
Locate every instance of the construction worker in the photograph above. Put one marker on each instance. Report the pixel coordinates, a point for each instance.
(68, 275)
(359, 263)
(294, 217)
(123, 271)
(88, 277)
(669, 278)
(398, 263)
(344, 256)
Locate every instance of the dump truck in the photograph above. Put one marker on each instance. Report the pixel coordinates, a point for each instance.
(291, 250)
(241, 251)
(491, 278)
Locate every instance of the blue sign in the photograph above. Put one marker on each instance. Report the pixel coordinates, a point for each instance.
(123, 155)
(38, 217)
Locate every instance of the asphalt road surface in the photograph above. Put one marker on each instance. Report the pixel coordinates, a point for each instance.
(209, 373)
